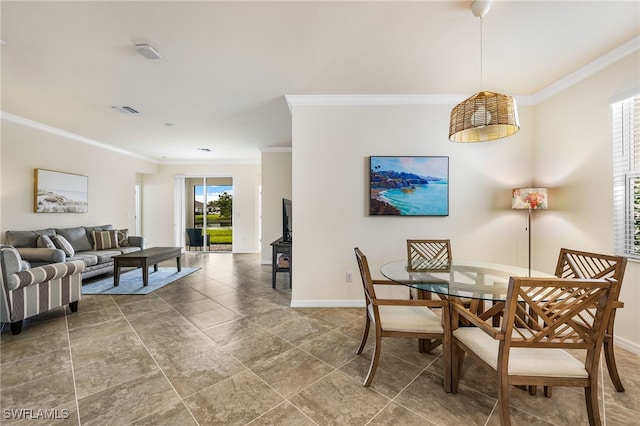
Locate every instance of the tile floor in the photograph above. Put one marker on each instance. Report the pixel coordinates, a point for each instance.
(220, 347)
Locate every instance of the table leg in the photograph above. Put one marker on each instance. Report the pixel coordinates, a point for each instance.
(273, 267)
(155, 267)
(145, 274)
(178, 262)
(116, 274)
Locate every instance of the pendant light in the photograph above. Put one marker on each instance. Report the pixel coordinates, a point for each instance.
(485, 116)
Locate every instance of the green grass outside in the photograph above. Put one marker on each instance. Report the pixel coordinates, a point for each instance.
(211, 219)
(220, 236)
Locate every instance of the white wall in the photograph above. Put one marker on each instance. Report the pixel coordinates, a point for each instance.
(158, 200)
(331, 149)
(276, 185)
(111, 179)
(573, 157)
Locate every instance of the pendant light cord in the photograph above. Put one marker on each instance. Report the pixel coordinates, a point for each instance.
(481, 64)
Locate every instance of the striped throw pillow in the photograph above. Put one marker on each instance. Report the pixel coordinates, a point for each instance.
(103, 240)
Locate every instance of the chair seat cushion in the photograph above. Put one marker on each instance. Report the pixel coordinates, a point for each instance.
(522, 361)
(413, 319)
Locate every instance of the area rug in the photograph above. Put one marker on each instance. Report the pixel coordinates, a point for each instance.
(131, 281)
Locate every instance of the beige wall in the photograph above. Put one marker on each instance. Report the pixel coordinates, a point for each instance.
(573, 157)
(276, 185)
(331, 147)
(111, 179)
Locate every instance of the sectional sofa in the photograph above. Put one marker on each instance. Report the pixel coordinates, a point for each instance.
(94, 245)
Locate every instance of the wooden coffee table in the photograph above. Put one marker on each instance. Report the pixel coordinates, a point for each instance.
(143, 259)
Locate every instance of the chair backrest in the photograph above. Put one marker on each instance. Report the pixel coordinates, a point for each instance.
(365, 274)
(429, 255)
(195, 236)
(585, 265)
(558, 313)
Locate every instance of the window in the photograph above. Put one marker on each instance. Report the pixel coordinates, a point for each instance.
(626, 176)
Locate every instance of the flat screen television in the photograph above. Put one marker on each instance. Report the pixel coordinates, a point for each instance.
(286, 219)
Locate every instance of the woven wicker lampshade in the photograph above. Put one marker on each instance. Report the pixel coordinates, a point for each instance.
(485, 116)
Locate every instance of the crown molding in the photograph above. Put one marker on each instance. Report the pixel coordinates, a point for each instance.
(604, 61)
(373, 100)
(453, 99)
(588, 70)
(65, 134)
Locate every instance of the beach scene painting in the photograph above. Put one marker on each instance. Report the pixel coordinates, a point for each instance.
(58, 192)
(409, 186)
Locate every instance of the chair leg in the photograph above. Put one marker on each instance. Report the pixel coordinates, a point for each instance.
(16, 327)
(365, 334)
(374, 361)
(611, 363)
(73, 306)
(503, 401)
(591, 397)
(457, 357)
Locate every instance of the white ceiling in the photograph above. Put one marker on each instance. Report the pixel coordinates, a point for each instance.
(226, 66)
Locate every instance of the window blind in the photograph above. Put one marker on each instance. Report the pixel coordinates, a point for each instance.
(626, 176)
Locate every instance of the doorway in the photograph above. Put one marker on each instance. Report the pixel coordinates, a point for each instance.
(209, 213)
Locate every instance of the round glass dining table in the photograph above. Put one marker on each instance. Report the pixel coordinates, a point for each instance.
(465, 279)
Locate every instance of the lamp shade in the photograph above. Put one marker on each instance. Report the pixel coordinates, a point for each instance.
(485, 116)
(529, 198)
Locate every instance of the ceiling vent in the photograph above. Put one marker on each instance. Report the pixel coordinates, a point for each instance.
(125, 109)
(148, 51)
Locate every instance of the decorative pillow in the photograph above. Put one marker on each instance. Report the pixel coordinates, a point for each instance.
(104, 240)
(77, 237)
(62, 243)
(44, 241)
(123, 237)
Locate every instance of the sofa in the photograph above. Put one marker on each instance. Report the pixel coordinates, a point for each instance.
(93, 245)
(26, 292)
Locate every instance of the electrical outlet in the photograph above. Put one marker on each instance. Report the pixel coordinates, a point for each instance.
(348, 277)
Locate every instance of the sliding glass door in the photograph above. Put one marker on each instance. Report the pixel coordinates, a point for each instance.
(207, 204)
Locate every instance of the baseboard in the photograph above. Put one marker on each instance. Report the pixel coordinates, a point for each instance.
(327, 303)
(627, 345)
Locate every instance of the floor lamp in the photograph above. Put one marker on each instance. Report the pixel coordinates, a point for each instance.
(529, 199)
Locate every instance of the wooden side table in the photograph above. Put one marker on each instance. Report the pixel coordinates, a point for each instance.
(278, 248)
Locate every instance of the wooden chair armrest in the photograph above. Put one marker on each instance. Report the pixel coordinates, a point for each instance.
(412, 302)
(475, 320)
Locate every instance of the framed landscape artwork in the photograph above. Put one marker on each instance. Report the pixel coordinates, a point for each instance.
(57, 192)
(409, 186)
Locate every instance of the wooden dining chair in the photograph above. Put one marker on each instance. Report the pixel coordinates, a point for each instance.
(401, 318)
(429, 255)
(432, 256)
(582, 264)
(543, 318)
